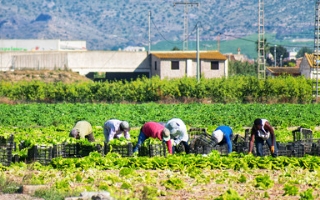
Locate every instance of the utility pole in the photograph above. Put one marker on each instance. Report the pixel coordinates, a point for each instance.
(281, 60)
(186, 21)
(149, 27)
(198, 54)
(261, 45)
(275, 55)
(316, 50)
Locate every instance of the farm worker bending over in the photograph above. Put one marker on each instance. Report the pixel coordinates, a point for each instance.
(154, 130)
(262, 131)
(114, 128)
(223, 135)
(178, 133)
(82, 129)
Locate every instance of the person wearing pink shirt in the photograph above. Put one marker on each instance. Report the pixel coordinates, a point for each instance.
(154, 130)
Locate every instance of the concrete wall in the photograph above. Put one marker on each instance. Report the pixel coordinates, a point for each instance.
(188, 68)
(207, 72)
(108, 61)
(167, 72)
(29, 45)
(78, 61)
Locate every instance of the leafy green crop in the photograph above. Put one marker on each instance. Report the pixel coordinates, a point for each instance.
(263, 182)
(290, 190)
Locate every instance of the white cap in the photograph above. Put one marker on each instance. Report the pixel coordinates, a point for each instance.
(217, 135)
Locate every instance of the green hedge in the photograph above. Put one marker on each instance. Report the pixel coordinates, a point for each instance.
(240, 89)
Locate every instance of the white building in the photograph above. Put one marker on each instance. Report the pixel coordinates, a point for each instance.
(42, 45)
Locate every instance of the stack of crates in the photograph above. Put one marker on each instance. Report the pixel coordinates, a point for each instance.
(283, 149)
(123, 150)
(6, 148)
(85, 150)
(71, 150)
(194, 134)
(223, 149)
(303, 138)
(296, 149)
(152, 150)
(203, 144)
(40, 153)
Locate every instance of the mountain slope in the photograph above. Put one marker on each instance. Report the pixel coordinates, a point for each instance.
(113, 24)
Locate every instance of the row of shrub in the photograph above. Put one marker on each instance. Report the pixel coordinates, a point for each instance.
(238, 89)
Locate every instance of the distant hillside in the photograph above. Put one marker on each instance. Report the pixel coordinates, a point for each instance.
(114, 24)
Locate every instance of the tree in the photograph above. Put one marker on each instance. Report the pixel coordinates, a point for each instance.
(280, 50)
(175, 48)
(302, 51)
(242, 68)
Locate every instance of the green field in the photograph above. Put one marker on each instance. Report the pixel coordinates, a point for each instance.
(236, 176)
(246, 44)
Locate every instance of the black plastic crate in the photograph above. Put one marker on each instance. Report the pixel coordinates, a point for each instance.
(42, 154)
(7, 145)
(123, 150)
(194, 134)
(4, 142)
(85, 150)
(203, 149)
(283, 149)
(297, 149)
(223, 149)
(152, 150)
(71, 150)
(57, 150)
(242, 147)
(302, 134)
(5, 155)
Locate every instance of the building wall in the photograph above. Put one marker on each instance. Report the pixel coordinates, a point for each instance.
(167, 72)
(187, 68)
(154, 71)
(207, 72)
(305, 68)
(78, 61)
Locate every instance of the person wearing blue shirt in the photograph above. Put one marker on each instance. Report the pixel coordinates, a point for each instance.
(223, 135)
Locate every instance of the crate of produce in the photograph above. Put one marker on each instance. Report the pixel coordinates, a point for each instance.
(86, 149)
(297, 149)
(283, 149)
(125, 150)
(71, 150)
(203, 149)
(302, 134)
(57, 150)
(151, 150)
(40, 153)
(222, 149)
(7, 146)
(6, 155)
(194, 134)
(237, 143)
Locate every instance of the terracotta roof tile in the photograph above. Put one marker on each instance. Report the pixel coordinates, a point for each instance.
(204, 55)
(284, 70)
(310, 59)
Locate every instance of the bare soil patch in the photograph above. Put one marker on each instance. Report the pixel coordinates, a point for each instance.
(48, 76)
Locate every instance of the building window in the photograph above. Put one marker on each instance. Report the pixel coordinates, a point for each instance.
(174, 65)
(155, 65)
(214, 65)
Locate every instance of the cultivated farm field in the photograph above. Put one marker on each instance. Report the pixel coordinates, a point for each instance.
(180, 176)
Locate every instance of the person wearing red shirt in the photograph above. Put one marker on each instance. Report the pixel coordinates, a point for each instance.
(154, 130)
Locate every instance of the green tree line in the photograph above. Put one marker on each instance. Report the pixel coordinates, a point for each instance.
(236, 89)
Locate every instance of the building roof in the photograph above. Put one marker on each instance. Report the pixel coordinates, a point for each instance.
(204, 55)
(310, 59)
(284, 70)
